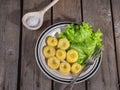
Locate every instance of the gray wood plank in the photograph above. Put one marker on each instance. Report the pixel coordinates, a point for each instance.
(116, 18)
(9, 43)
(98, 13)
(31, 76)
(67, 10)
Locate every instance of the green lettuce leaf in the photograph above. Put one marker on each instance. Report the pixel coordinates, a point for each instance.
(83, 39)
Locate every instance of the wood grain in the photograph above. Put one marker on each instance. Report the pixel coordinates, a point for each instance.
(116, 18)
(67, 10)
(31, 76)
(9, 43)
(98, 13)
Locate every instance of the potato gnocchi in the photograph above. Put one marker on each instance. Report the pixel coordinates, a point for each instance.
(59, 57)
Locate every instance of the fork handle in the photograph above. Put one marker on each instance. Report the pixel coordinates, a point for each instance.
(69, 87)
(72, 83)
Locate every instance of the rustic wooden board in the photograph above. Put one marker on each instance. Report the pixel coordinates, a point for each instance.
(98, 13)
(116, 18)
(31, 76)
(9, 43)
(67, 10)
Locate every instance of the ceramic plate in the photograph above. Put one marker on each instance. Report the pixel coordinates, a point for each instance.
(54, 30)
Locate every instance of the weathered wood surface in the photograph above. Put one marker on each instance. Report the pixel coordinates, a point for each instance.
(31, 76)
(67, 10)
(116, 24)
(9, 43)
(17, 44)
(98, 13)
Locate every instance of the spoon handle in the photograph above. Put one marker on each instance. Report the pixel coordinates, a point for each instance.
(50, 5)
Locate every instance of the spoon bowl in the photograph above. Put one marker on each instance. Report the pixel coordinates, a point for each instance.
(37, 17)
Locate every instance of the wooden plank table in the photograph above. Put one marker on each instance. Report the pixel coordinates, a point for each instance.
(18, 67)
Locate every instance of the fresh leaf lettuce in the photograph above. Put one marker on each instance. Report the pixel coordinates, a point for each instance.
(83, 39)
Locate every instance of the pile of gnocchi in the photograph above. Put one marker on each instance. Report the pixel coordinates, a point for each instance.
(60, 57)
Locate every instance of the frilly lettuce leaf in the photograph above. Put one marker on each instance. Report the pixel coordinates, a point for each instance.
(83, 39)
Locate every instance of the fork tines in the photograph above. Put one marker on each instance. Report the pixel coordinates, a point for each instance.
(96, 53)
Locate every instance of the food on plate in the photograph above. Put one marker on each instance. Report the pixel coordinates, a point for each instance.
(61, 54)
(63, 43)
(72, 56)
(70, 50)
(53, 63)
(65, 68)
(49, 51)
(52, 41)
(76, 68)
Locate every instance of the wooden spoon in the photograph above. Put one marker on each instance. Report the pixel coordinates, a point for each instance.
(34, 20)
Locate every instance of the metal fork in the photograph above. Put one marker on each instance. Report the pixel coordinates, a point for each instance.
(89, 62)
